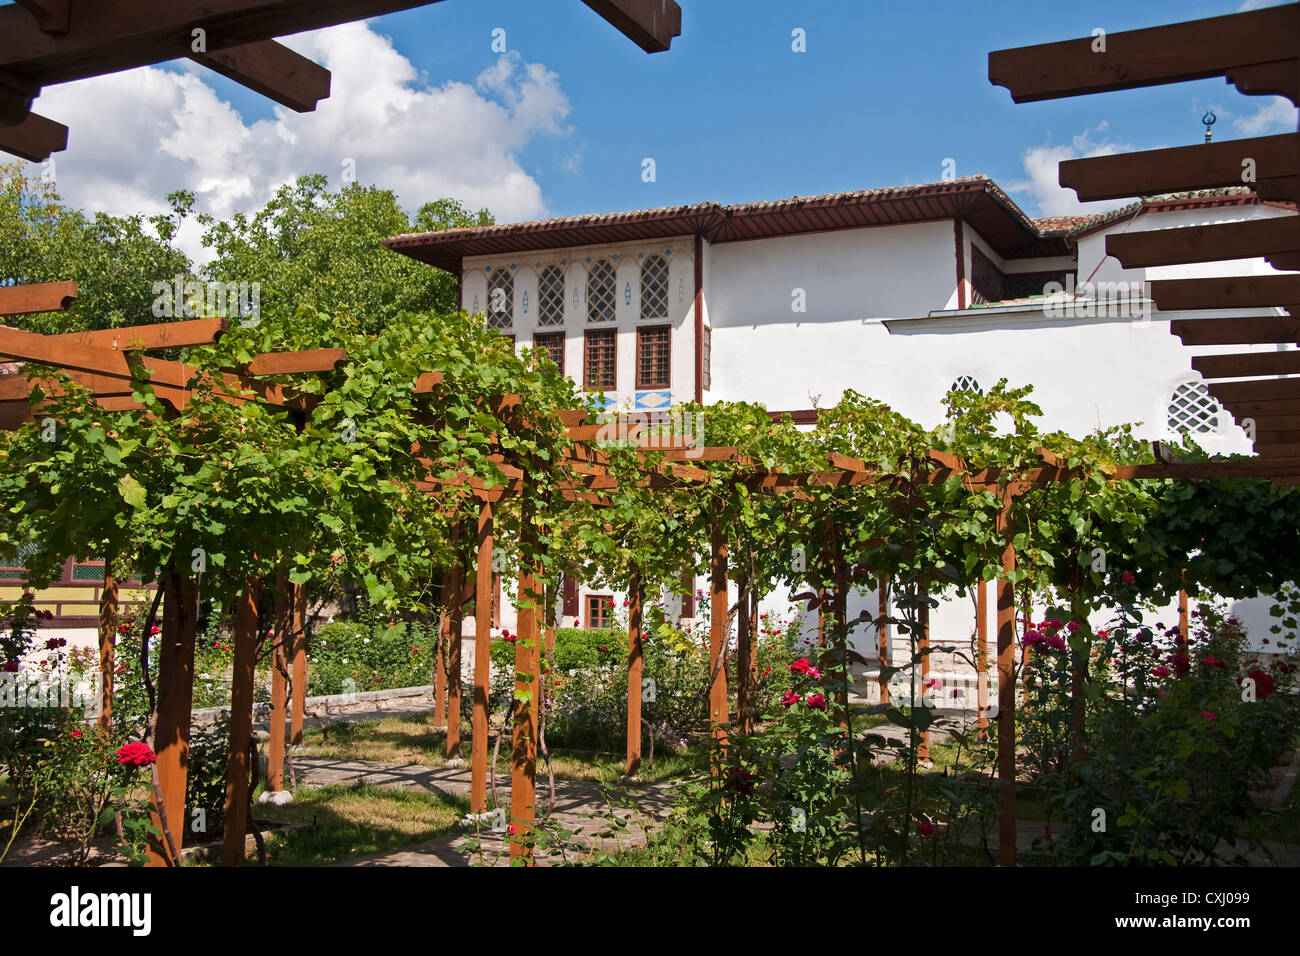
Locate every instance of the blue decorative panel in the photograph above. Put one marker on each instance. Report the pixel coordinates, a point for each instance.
(659, 398)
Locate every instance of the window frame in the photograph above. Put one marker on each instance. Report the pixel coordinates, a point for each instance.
(641, 382)
(605, 601)
(587, 338)
(552, 335)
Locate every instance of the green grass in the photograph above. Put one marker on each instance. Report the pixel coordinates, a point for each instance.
(334, 823)
(415, 740)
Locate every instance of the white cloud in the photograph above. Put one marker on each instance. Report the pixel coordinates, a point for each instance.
(1260, 4)
(1042, 183)
(137, 135)
(1275, 114)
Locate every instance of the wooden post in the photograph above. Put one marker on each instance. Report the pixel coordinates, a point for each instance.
(281, 622)
(171, 734)
(821, 618)
(718, 633)
(982, 656)
(453, 660)
(842, 642)
(107, 645)
(298, 704)
(635, 668)
(482, 661)
(440, 655)
(241, 725)
(922, 648)
(1007, 703)
(1183, 629)
(882, 637)
(523, 776)
(744, 655)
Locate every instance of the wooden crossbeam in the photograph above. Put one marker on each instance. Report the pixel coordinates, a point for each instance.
(34, 138)
(1252, 408)
(1266, 389)
(1181, 168)
(1231, 292)
(1276, 78)
(307, 360)
(650, 24)
(163, 335)
(36, 297)
(1246, 364)
(273, 70)
(1230, 240)
(52, 16)
(1253, 330)
(115, 35)
(1135, 58)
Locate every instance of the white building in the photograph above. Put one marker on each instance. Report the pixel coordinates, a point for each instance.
(899, 294)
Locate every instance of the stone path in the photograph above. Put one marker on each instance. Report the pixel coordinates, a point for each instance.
(580, 806)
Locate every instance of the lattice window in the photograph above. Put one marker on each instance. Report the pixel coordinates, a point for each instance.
(501, 298)
(653, 357)
(1192, 409)
(550, 296)
(654, 288)
(602, 291)
(966, 383)
(988, 284)
(553, 343)
(708, 358)
(88, 572)
(600, 360)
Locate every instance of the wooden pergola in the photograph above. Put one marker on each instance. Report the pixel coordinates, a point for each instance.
(47, 42)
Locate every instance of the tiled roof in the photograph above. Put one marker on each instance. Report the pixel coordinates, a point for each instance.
(976, 199)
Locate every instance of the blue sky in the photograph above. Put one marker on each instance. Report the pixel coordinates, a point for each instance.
(885, 92)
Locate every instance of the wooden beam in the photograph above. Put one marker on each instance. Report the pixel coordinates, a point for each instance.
(1135, 58)
(273, 70)
(1256, 389)
(34, 138)
(238, 769)
(1252, 330)
(1006, 713)
(110, 36)
(171, 735)
(1155, 172)
(1276, 78)
(1229, 292)
(523, 765)
(51, 15)
(289, 363)
(718, 632)
(1188, 244)
(635, 669)
(1246, 408)
(298, 698)
(482, 660)
(36, 297)
(162, 335)
(1246, 364)
(650, 24)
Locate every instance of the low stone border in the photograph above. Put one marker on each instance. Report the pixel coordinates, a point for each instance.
(370, 701)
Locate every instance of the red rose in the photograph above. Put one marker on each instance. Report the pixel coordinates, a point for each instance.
(10, 667)
(739, 780)
(76, 735)
(1161, 671)
(1210, 716)
(155, 629)
(817, 701)
(1128, 578)
(1181, 662)
(1213, 662)
(1264, 683)
(136, 754)
(54, 643)
(790, 698)
(925, 829)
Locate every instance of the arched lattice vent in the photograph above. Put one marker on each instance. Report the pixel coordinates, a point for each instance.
(654, 288)
(501, 298)
(550, 296)
(966, 383)
(1192, 409)
(602, 291)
